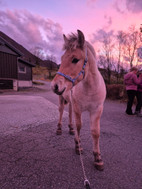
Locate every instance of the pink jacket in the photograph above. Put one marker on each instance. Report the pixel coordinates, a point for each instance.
(131, 81)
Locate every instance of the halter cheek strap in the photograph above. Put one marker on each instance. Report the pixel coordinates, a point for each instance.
(81, 72)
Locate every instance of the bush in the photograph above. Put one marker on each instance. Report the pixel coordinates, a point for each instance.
(116, 92)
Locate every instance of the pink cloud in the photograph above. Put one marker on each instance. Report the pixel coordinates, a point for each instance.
(134, 5)
(100, 35)
(32, 30)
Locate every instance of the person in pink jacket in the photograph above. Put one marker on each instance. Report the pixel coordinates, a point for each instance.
(131, 81)
(139, 97)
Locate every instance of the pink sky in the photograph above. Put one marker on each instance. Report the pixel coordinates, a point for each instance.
(42, 23)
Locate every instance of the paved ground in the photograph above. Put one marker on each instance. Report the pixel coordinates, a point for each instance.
(33, 157)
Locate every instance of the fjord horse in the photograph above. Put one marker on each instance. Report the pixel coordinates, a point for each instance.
(81, 84)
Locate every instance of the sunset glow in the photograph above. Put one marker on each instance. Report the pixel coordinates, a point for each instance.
(42, 23)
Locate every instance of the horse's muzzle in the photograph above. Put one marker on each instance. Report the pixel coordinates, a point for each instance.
(56, 90)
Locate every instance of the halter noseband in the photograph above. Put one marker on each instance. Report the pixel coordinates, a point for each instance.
(81, 72)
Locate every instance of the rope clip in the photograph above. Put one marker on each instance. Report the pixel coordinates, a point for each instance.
(87, 184)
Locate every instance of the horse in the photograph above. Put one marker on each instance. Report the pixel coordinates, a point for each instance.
(80, 83)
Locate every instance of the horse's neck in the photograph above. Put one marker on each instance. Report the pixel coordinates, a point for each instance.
(91, 80)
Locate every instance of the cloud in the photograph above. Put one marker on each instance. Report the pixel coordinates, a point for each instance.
(32, 30)
(108, 21)
(134, 6)
(100, 35)
(120, 6)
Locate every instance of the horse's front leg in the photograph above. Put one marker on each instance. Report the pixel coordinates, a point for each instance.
(95, 131)
(71, 129)
(78, 148)
(61, 109)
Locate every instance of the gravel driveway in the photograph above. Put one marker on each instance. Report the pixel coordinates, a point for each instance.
(32, 156)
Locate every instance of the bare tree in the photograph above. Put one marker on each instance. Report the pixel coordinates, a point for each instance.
(107, 57)
(120, 49)
(38, 52)
(50, 64)
(132, 42)
(52, 58)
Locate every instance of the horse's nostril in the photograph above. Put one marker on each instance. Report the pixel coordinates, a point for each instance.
(56, 87)
(57, 90)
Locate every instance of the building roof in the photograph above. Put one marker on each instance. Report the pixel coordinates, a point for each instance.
(4, 42)
(25, 53)
(26, 62)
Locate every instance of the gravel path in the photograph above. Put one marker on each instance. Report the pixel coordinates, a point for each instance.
(32, 156)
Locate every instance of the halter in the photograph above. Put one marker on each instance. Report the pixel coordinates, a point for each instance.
(81, 72)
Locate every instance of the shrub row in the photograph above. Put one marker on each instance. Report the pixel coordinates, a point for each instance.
(116, 92)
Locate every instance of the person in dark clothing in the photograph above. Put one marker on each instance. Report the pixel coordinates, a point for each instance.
(131, 81)
(139, 97)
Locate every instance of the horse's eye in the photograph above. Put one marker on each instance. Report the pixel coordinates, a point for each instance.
(75, 60)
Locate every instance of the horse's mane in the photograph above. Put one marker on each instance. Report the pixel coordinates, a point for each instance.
(92, 61)
(91, 48)
(72, 42)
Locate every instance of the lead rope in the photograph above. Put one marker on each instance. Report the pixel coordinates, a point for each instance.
(86, 181)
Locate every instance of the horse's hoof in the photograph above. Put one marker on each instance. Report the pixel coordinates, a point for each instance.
(99, 165)
(78, 148)
(71, 132)
(58, 131)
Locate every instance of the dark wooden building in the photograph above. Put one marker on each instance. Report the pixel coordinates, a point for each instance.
(15, 72)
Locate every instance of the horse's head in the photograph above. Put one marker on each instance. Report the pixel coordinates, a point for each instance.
(72, 66)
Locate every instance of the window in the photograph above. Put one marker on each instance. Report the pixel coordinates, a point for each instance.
(22, 69)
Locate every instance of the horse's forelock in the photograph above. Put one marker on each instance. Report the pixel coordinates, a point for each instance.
(72, 42)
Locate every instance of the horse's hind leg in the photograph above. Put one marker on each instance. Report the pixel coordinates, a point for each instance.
(61, 109)
(71, 130)
(95, 131)
(78, 147)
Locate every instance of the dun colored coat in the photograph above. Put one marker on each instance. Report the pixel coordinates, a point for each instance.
(80, 83)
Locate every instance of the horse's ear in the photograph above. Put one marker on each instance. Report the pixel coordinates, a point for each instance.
(81, 39)
(65, 39)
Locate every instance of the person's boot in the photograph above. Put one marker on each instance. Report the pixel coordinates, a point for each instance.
(129, 113)
(136, 112)
(139, 114)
